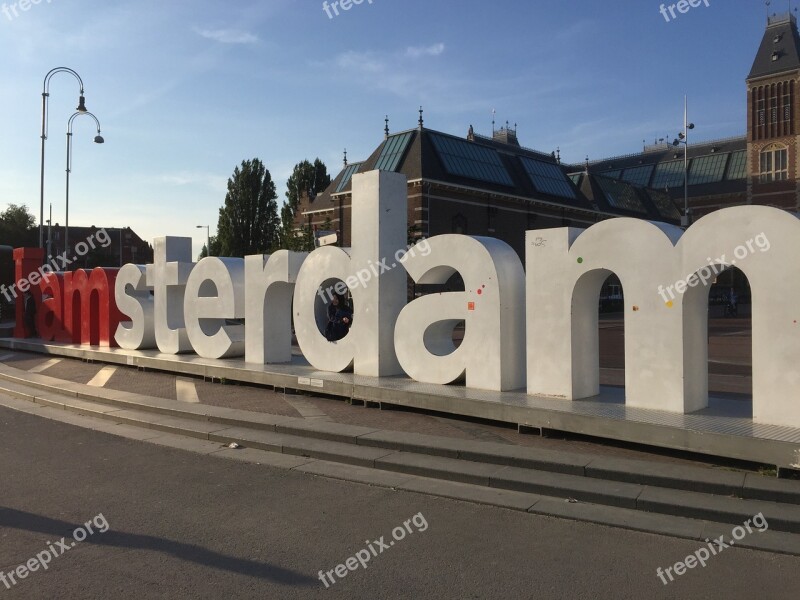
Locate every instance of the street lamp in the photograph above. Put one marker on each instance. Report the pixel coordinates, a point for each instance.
(98, 139)
(45, 101)
(208, 237)
(50, 233)
(683, 138)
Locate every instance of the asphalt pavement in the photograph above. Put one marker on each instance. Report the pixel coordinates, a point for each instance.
(185, 525)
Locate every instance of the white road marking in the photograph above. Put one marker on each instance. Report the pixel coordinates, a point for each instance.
(186, 391)
(45, 365)
(102, 377)
(307, 409)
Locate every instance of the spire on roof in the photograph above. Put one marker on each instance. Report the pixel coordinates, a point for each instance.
(420, 117)
(345, 157)
(386, 129)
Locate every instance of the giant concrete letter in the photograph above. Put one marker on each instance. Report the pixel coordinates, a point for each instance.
(215, 292)
(666, 275)
(50, 315)
(91, 315)
(378, 287)
(269, 288)
(566, 269)
(26, 262)
(764, 243)
(172, 263)
(135, 301)
(492, 304)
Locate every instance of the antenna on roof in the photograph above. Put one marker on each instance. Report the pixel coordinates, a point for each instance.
(420, 117)
(345, 157)
(493, 113)
(386, 129)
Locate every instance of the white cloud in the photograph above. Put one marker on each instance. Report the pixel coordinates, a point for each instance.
(420, 51)
(360, 61)
(228, 36)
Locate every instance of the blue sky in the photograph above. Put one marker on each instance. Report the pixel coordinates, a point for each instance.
(185, 90)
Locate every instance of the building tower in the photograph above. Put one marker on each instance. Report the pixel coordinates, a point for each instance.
(773, 130)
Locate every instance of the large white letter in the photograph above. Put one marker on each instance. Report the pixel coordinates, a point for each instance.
(214, 293)
(269, 286)
(138, 333)
(379, 231)
(172, 258)
(492, 353)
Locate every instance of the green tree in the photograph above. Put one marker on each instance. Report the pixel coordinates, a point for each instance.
(248, 221)
(18, 227)
(305, 177)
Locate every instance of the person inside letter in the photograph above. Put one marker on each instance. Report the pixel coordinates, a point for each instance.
(340, 317)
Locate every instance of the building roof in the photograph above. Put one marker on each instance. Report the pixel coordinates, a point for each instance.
(495, 164)
(780, 48)
(715, 167)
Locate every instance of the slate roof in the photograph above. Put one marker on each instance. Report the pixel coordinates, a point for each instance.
(487, 164)
(780, 48)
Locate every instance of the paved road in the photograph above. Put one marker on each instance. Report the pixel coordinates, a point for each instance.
(183, 525)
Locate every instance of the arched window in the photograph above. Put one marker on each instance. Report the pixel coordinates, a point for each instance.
(774, 163)
(460, 224)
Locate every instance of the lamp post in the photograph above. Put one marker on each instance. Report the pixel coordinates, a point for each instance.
(98, 139)
(683, 138)
(208, 237)
(50, 234)
(45, 101)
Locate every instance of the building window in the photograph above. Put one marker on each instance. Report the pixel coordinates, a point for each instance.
(491, 213)
(787, 108)
(774, 164)
(773, 113)
(761, 114)
(460, 224)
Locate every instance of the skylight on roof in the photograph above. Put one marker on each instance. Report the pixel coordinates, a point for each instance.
(668, 175)
(621, 195)
(638, 175)
(708, 169)
(467, 159)
(393, 150)
(547, 178)
(349, 170)
(737, 167)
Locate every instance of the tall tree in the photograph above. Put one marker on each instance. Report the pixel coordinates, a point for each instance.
(305, 178)
(248, 221)
(18, 227)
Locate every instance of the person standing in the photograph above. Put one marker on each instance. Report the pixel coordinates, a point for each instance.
(340, 318)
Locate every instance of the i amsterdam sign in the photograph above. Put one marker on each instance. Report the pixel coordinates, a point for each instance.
(536, 330)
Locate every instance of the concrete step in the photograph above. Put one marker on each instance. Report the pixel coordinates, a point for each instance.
(638, 472)
(559, 487)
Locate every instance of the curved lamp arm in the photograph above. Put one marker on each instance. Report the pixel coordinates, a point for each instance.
(46, 94)
(97, 140)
